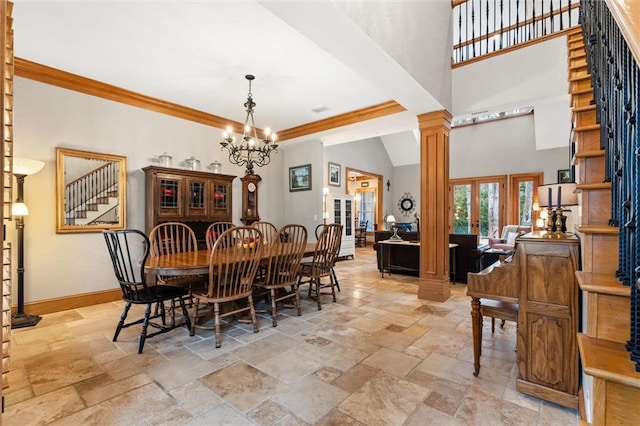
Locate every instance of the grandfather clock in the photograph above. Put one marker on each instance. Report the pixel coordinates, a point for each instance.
(250, 199)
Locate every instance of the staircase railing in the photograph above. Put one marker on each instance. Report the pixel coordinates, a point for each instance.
(481, 27)
(86, 191)
(616, 82)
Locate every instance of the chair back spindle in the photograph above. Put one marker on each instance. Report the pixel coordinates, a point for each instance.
(234, 261)
(268, 229)
(214, 231)
(129, 250)
(285, 256)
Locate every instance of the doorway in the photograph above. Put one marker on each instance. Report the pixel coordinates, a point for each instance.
(478, 205)
(366, 187)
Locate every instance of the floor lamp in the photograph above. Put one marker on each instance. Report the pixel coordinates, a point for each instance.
(22, 167)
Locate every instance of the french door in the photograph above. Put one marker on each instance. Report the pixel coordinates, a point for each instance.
(477, 205)
(524, 198)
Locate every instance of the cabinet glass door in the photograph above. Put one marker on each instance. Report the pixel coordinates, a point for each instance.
(169, 199)
(197, 205)
(348, 218)
(220, 199)
(337, 212)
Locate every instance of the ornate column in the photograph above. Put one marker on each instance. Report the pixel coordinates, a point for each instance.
(434, 201)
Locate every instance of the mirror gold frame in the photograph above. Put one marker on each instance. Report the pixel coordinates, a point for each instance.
(90, 191)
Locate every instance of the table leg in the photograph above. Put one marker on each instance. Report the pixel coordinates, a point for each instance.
(476, 322)
(452, 263)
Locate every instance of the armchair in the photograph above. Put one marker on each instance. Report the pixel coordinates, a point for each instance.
(508, 237)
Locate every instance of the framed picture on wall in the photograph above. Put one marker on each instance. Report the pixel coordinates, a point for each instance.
(564, 176)
(334, 174)
(300, 178)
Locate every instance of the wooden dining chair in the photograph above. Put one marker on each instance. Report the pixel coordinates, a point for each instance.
(129, 250)
(324, 257)
(214, 231)
(318, 230)
(268, 229)
(234, 260)
(175, 237)
(283, 265)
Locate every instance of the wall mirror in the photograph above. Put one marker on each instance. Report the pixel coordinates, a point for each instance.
(90, 191)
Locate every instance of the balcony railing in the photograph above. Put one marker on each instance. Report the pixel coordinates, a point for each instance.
(483, 27)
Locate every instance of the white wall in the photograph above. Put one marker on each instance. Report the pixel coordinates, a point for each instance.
(400, 26)
(503, 147)
(304, 207)
(366, 155)
(58, 265)
(518, 77)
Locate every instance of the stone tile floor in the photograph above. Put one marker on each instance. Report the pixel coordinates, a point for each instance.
(379, 356)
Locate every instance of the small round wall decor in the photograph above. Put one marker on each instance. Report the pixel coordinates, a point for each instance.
(407, 204)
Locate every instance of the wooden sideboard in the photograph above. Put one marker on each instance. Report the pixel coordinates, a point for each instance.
(541, 278)
(193, 197)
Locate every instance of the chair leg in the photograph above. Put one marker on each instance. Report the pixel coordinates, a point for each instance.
(335, 277)
(145, 324)
(274, 322)
(493, 324)
(123, 317)
(296, 298)
(192, 328)
(216, 314)
(317, 283)
(185, 314)
(252, 310)
(333, 289)
(163, 313)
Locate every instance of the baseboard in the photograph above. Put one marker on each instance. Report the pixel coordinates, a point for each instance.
(70, 302)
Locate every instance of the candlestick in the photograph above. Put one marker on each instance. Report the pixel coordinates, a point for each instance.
(559, 196)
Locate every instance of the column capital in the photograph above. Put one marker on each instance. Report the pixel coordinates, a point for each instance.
(439, 119)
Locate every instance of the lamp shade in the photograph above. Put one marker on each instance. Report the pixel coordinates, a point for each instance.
(19, 209)
(391, 218)
(26, 166)
(557, 195)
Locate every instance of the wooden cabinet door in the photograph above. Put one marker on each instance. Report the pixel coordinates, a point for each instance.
(169, 199)
(220, 199)
(196, 200)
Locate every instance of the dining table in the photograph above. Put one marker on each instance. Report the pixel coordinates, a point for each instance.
(195, 262)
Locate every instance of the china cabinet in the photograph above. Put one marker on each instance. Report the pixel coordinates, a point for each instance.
(340, 208)
(196, 198)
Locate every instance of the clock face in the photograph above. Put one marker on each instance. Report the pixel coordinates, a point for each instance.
(251, 187)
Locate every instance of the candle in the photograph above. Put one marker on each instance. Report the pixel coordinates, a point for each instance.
(559, 196)
(550, 204)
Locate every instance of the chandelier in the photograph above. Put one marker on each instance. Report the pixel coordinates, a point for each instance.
(250, 150)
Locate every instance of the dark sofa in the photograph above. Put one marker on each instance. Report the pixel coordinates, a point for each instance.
(402, 256)
(468, 254)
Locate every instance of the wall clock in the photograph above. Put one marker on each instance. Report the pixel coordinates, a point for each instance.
(407, 204)
(250, 199)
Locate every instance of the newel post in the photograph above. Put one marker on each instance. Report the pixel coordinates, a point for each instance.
(434, 218)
